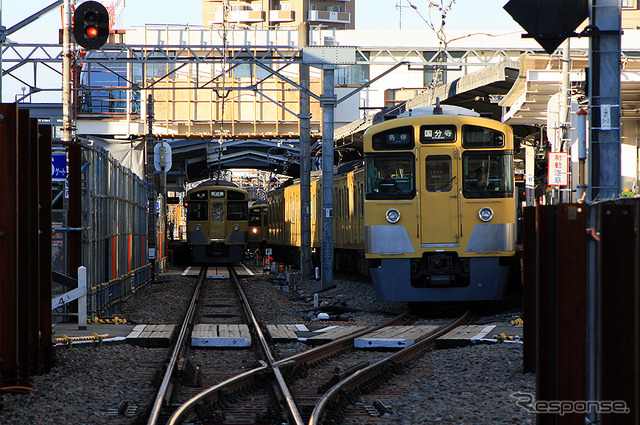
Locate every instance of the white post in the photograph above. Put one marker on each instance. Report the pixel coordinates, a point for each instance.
(82, 300)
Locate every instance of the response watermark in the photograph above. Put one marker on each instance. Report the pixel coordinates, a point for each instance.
(563, 407)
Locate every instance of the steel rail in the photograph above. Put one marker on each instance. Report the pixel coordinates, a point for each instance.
(364, 375)
(164, 386)
(293, 409)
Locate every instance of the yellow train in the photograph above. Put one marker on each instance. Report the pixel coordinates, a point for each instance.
(217, 222)
(439, 206)
(430, 215)
(348, 224)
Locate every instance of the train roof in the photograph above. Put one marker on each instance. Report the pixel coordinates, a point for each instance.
(214, 182)
(444, 110)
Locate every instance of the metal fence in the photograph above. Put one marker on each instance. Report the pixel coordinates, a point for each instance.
(114, 208)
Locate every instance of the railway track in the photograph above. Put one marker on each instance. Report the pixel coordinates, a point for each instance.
(252, 386)
(290, 390)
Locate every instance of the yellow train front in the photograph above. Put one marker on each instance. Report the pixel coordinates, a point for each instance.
(217, 222)
(439, 206)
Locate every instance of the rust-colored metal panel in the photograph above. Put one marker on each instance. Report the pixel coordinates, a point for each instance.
(44, 226)
(618, 312)
(571, 255)
(546, 219)
(8, 242)
(529, 290)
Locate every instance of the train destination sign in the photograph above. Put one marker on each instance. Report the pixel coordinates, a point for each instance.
(437, 133)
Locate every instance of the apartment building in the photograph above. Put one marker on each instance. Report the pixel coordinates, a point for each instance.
(338, 14)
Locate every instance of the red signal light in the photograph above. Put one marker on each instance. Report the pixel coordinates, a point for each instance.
(91, 32)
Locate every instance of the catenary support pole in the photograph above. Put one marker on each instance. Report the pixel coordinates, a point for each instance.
(305, 174)
(328, 105)
(604, 99)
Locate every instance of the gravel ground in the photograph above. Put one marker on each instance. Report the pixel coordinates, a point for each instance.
(470, 385)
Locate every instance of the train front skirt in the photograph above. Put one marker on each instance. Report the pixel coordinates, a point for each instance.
(488, 281)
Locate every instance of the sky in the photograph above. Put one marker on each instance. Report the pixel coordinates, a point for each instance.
(466, 15)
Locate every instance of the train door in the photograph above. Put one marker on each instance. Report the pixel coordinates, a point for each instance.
(216, 224)
(439, 206)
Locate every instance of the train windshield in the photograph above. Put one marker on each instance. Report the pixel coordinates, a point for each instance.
(488, 175)
(197, 210)
(255, 218)
(390, 176)
(237, 210)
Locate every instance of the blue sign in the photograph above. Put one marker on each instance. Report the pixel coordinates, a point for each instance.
(58, 166)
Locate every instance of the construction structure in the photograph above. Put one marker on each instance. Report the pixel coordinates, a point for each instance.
(263, 14)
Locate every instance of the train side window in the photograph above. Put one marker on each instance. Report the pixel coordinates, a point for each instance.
(481, 137)
(197, 210)
(438, 170)
(217, 211)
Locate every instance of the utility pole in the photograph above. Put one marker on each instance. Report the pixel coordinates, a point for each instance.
(328, 105)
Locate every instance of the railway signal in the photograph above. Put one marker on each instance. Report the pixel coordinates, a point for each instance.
(91, 25)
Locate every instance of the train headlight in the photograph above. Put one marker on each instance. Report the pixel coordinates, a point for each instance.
(198, 227)
(254, 230)
(485, 214)
(393, 215)
(236, 227)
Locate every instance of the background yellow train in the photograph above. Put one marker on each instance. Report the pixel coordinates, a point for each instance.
(348, 222)
(217, 222)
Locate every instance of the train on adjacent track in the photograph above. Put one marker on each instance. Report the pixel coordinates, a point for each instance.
(217, 222)
(431, 213)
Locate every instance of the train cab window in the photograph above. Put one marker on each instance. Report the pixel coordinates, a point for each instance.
(438, 173)
(237, 210)
(199, 195)
(488, 175)
(197, 210)
(400, 138)
(474, 137)
(255, 219)
(390, 176)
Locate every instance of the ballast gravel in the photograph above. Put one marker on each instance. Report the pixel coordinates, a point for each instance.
(108, 383)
